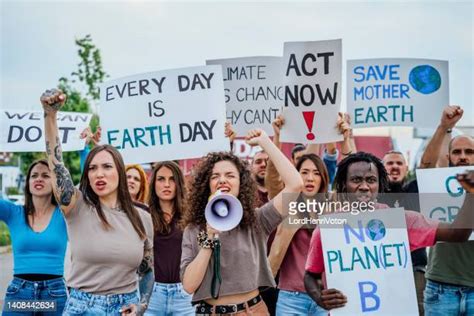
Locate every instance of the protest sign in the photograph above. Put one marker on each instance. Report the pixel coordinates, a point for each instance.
(22, 131)
(165, 115)
(441, 195)
(312, 79)
(366, 257)
(397, 92)
(253, 91)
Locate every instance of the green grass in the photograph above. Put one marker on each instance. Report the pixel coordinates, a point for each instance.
(4, 235)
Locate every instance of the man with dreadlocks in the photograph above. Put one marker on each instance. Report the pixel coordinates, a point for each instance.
(361, 177)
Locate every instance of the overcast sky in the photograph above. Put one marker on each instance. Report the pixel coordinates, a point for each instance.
(37, 37)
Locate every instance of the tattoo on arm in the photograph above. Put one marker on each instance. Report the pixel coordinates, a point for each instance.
(147, 262)
(48, 149)
(146, 276)
(64, 184)
(58, 153)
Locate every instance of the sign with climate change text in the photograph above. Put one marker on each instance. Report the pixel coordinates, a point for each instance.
(165, 115)
(441, 195)
(366, 258)
(397, 92)
(312, 77)
(253, 91)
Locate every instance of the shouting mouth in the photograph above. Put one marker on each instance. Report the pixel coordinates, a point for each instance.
(100, 185)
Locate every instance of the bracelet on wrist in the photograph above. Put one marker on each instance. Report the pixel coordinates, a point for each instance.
(204, 241)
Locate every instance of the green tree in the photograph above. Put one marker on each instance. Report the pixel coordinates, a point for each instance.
(90, 74)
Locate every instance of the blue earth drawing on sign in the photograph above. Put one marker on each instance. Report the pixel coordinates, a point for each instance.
(425, 79)
(375, 229)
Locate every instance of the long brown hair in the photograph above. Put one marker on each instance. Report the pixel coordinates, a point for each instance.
(123, 196)
(199, 191)
(320, 165)
(160, 225)
(29, 206)
(142, 195)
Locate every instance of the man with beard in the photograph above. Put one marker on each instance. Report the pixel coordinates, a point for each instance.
(450, 274)
(403, 194)
(361, 177)
(259, 169)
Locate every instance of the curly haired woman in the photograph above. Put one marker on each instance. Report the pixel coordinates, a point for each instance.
(243, 263)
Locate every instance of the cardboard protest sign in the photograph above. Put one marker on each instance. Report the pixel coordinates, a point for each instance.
(254, 93)
(165, 115)
(397, 92)
(22, 131)
(366, 257)
(441, 195)
(312, 79)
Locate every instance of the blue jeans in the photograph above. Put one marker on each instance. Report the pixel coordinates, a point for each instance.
(446, 300)
(169, 299)
(86, 304)
(297, 303)
(51, 290)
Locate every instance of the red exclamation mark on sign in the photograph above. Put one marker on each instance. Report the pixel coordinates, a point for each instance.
(309, 118)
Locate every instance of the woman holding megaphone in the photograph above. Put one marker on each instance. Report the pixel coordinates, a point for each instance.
(243, 266)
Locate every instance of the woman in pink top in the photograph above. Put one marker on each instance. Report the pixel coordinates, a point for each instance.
(361, 177)
(291, 244)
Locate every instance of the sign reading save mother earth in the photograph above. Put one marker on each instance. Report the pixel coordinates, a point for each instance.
(397, 92)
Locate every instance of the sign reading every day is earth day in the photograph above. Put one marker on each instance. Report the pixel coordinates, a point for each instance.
(165, 115)
(397, 92)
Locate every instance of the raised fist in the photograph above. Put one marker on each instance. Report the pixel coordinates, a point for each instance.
(451, 115)
(52, 100)
(255, 136)
(277, 124)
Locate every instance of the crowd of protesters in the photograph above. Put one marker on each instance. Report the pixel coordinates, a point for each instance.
(141, 244)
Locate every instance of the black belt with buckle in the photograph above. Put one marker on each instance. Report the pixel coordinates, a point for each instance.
(205, 308)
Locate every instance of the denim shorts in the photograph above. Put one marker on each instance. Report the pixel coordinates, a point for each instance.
(82, 303)
(169, 299)
(49, 290)
(297, 303)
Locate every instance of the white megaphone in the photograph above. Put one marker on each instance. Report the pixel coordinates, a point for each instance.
(223, 211)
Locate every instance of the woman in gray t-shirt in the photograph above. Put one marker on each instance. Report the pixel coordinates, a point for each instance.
(110, 240)
(243, 262)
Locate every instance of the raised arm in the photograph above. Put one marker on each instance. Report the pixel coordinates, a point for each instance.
(344, 125)
(63, 187)
(461, 228)
(451, 115)
(290, 177)
(230, 133)
(273, 182)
